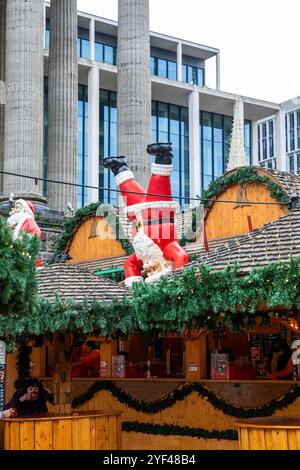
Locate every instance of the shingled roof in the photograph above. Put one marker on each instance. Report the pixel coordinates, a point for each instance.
(276, 241)
(289, 181)
(69, 281)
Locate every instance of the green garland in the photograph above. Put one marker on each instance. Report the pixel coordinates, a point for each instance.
(181, 393)
(171, 430)
(201, 297)
(71, 225)
(102, 319)
(244, 176)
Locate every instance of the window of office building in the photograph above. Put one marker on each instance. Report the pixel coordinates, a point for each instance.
(286, 135)
(298, 129)
(266, 143)
(103, 52)
(294, 163)
(271, 139)
(82, 143)
(83, 48)
(215, 144)
(194, 75)
(163, 68)
(108, 143)
(292, 131)
(47, 38)
(170, 124)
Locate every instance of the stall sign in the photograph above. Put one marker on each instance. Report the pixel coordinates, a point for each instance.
(193, 367)
(118, 366)
(219, 366)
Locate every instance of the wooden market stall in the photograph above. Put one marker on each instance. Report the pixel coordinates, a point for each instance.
(168, 385)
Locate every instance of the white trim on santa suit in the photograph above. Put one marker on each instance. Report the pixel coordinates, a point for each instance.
(132, 279)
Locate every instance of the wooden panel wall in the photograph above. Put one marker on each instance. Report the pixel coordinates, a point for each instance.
(226, 220)
(90, 433)
(193, 412)
(94, 239)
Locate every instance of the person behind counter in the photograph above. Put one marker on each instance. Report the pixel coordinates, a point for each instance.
(88, 361)
(280, 365)
(28, 400)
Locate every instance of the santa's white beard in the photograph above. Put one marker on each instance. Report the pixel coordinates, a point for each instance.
(14, 219)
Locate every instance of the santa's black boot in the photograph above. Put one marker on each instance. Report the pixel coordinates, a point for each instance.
(162, 151)
(116, 164)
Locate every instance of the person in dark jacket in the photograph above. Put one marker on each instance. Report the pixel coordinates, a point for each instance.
(280, 365)
(28, 400)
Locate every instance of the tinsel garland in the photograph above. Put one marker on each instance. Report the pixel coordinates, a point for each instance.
(171, 430)
(200, 298)
(99, 318)
(181, 393)
(80, 215)
(244, 176)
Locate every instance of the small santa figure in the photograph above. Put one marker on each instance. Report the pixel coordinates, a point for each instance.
(157, 250)
(22, 219)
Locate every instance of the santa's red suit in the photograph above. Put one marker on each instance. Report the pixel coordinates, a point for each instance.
(158, 212)
(22, 220)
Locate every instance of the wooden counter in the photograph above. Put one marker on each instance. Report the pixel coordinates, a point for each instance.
(273, 433)
(82, 430)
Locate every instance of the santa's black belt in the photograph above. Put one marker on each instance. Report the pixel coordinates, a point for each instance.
(167, 220)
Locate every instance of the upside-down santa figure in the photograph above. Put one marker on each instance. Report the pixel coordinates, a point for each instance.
(22, 220)
(157, 250)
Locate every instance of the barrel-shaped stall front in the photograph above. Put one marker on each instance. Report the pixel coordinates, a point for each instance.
(273, 433)
(79, 431)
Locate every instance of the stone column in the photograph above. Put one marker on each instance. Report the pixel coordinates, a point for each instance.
(63, 98)
(23, 142)
(134, 86)
(2, 84)
(194, 145)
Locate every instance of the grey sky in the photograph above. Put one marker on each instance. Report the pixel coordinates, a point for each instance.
(258, 39)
